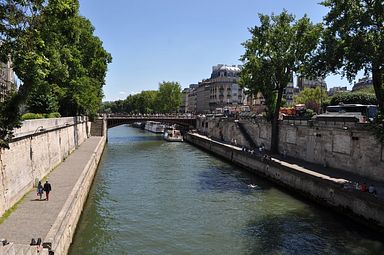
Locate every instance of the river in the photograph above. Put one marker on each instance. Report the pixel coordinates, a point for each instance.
(154, 197)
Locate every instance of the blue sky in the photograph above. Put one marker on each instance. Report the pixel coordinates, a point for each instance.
(174, 40)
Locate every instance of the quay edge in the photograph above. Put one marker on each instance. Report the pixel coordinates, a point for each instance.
(360, 207)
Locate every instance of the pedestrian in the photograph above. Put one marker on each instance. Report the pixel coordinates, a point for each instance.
(47, 189)
(363, 187)
(40, 190)
(372, 189)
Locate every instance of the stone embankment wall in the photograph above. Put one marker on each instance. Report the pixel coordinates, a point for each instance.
(320, 188)
(37, 148)
(347, 146)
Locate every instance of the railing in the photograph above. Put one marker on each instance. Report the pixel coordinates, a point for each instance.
(155, 116)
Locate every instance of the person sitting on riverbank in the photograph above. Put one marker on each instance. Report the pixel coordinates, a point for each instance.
(372, 190)
(363, 187)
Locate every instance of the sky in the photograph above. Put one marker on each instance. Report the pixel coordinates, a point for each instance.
(152, 41)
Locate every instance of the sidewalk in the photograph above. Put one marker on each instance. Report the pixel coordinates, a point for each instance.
(34, 218)
(334, 173)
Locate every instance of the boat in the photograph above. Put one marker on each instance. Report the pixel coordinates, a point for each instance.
(154, 127)
(138, 125)
(173, 135)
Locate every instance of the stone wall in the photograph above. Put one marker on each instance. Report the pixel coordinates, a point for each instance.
(347, 146)
(37, 148)
(323, 189)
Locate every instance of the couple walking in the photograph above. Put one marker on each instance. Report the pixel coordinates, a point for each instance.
(47, 188)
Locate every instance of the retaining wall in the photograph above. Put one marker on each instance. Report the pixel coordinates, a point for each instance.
(347, 146)
(37, 148)
(320, 188)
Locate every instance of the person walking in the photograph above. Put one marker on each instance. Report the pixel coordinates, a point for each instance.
(40, 190)
(47, 189)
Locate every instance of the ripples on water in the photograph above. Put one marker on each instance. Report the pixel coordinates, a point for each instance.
(154, 197)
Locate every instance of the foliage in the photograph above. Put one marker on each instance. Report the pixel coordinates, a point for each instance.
(312, 98)
(309, 113)
(42, 100)
(353, 41)
(278, 47)
(9, 118)
(169, 97)
(31, 116)
(55, 54)
(353, 98)
(52, 115)
(165, 100)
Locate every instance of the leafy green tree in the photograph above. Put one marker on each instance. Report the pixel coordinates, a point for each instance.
(353, 41)
(20, 43)
(169, 97)
(147, 101)
(42, 100)
(278, 47)
(312, 98)
(50, 44)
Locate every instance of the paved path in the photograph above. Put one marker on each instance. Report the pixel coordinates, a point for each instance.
(34, 218)
(335, 174)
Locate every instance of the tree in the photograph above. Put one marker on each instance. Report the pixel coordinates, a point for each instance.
(54, 52)
(279, 47)
(20, 41)
(312, 98)
(169, 97)
(353, 41)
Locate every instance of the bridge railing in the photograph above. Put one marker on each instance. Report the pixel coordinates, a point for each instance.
(155, 116)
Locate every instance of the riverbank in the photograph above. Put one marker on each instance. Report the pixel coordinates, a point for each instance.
(54, 221)
(322, 187)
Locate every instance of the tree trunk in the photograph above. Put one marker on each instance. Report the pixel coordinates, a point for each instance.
(275, 123)
(377, 79)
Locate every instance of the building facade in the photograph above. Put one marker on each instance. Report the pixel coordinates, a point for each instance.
(220, 90)
(303, 83)
(363, 83)
(333, 90)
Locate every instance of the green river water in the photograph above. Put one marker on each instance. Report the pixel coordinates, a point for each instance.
(154, 197)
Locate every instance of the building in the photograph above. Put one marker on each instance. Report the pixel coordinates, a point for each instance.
(184, 100)
(256, 103)
(7, 80)
(333, 90)
(220, 90)
(363, 83)
(303, 83)
(191, 100)
(289, 93)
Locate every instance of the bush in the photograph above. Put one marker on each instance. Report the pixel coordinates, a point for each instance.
(31, 116)
(309, 113)
(52, 115)
(353, 98)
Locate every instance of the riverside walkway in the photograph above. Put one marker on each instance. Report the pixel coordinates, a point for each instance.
(34, 218)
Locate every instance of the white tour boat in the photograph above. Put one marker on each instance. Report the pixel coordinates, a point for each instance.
(154, 126)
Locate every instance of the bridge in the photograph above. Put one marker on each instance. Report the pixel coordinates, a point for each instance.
(187, 121)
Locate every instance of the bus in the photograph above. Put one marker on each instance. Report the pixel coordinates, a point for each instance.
(360, 111)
